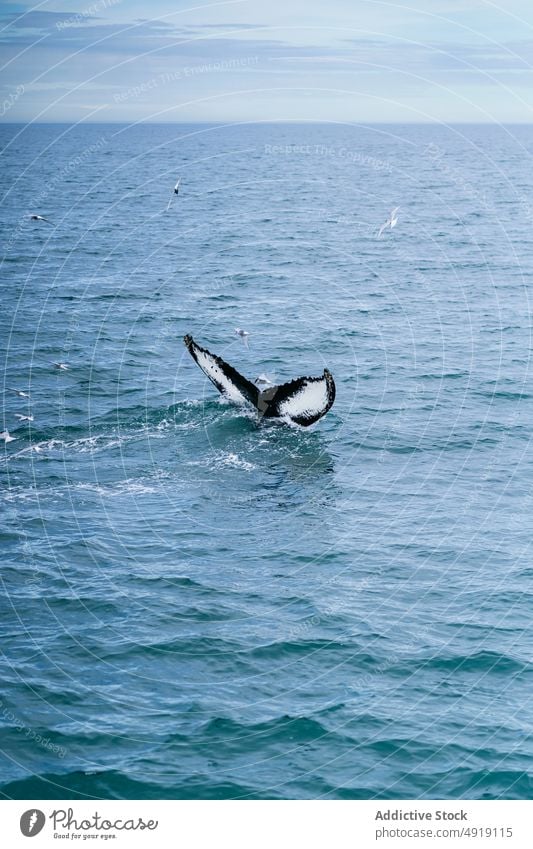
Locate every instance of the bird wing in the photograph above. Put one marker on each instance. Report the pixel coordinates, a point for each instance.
(382, 228)
(227, 380)
(302, 401)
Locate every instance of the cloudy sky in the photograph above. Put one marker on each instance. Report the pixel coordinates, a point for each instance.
(241, 60)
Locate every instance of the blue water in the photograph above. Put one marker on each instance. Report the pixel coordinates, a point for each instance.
(198, 606)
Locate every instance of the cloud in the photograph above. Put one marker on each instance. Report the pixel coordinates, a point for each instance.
(73, 55)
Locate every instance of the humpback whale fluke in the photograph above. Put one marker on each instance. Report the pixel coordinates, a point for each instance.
(302, 401)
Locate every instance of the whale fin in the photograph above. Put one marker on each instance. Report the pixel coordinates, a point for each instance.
(302, 401)
(227, 380)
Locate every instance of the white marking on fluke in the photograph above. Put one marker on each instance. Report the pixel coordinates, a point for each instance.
(313, 395)
(218, 376)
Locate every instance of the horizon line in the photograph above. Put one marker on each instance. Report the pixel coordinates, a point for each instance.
(285, 122)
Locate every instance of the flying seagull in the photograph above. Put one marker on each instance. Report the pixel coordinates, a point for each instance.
(391, 221)
(22, 418)
(20, 393)
(62, 366)
(243, 335)
(40, 218)
(6, 436)
(175, 191)
(263, 381)
(302, 401)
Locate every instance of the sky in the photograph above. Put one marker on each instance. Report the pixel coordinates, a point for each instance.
(363, 61)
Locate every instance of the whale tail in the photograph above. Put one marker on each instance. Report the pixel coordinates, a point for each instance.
(227, 380)
(302, 401)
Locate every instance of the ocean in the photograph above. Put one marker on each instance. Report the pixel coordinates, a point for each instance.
(198, 605)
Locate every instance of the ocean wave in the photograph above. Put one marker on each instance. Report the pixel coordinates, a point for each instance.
(479, 662)
(113, 784)
(147, 782)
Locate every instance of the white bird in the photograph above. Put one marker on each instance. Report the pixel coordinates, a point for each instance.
(40, 218)
(20, 393)
(175, 191)
(263, 381)
(22, 418)
(243, 335)
(391, 221)
(5, 435)
(62, 366)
